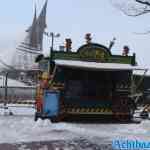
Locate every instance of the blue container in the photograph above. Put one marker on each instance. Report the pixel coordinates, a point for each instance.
(51, 103)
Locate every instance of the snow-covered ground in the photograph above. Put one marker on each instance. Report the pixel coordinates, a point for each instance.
(21, 128)
(11, 82)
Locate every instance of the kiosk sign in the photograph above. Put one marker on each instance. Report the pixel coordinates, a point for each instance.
(93, 52)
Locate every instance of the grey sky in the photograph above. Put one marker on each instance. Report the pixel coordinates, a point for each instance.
(74, 18)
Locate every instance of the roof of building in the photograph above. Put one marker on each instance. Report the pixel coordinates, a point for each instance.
(97, 65)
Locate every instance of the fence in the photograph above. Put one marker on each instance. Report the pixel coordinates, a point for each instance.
(18, 95)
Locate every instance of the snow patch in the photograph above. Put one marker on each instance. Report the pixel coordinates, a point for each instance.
(23, 128)
(11, 82)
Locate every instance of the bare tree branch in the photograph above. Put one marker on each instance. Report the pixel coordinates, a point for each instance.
(143, 2)
(134, 8)
(135, 15)
(144, 33)
(135, 12)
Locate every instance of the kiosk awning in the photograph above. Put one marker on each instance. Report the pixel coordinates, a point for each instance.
(96, 65)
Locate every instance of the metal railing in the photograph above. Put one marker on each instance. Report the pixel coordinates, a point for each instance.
(18, 95)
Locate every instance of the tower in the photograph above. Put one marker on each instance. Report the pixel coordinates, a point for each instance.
(32, 45)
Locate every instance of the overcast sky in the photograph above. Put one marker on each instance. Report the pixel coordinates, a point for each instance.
(72, 19)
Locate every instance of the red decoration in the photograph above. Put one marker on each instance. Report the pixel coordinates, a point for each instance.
(125, 51)
(68, 44)
(39, 105)
(88, 38)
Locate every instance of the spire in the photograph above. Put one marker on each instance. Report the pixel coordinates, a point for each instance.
(42, 17)
(34, 19)
(41, 24)
(33, 22)
(36, 30)
(33, 39)
(32, 45)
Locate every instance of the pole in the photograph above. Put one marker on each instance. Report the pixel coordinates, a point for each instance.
(112, 43)
(6, 91)
(52, 35)
(51, 53)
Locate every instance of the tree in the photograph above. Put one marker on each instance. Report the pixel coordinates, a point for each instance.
(133, 7)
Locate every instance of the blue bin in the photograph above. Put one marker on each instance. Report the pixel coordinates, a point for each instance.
(51, 103)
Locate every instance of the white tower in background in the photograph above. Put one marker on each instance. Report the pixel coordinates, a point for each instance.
(32, 45)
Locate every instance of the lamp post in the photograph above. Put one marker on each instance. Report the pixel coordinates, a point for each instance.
(112, 42)
(52, 35)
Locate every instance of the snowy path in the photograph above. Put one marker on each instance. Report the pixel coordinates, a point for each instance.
(76, 144)
(22, 128)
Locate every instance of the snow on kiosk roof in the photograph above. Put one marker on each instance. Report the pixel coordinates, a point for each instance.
(96, 65)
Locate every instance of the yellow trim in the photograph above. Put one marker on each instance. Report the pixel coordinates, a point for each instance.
(89, 111)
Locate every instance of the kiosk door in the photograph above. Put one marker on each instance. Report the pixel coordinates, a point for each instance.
(51, 103)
